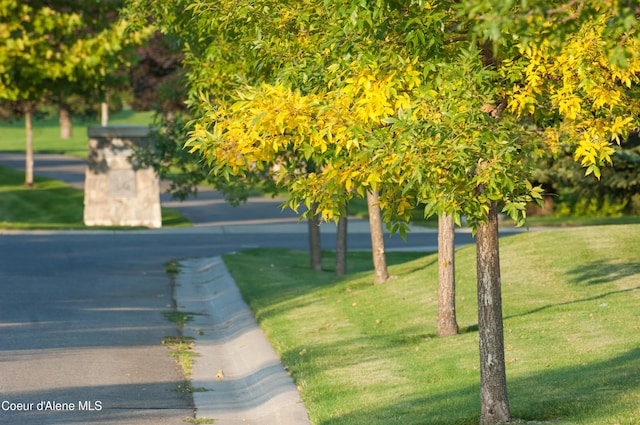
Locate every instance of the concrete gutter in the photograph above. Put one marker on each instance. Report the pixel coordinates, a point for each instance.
(244, 379)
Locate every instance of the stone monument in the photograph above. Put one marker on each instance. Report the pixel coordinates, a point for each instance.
(117, 190)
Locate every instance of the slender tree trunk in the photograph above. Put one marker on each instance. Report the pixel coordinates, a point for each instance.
(493, 382)
(447, 324)
(104, 112)
(28, 178)
(341, 247)
(315, 249)
(66, 127)
(377, 238)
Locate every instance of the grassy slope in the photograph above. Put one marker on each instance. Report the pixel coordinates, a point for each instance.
(50, 204)
(365, 354)
(358, 208)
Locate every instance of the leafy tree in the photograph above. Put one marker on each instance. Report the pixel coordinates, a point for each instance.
(443, 104)
(30, 38)
(617, 191)
(574, 74)
(48, 47)
(98, 81)
(157, 78)
(222, 58)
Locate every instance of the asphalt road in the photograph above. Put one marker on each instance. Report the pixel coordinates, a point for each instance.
(81, 323)
(81, 312)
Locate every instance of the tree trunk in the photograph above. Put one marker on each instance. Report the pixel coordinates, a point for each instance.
(377, 238)
(66, 127)
(341, 247)
(447, 324)
(28, 177)
(493, 382)
(315, 249)
(104, 113)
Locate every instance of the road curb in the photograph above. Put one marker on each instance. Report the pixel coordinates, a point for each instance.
(243, 379)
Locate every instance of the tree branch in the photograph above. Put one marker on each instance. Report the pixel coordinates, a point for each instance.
(565, 8)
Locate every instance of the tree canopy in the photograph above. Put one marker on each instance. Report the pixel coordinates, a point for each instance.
(51, 46)
(336, 82)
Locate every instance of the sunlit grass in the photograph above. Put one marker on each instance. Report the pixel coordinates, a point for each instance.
(50, 204)
(365, 354)
(46, 133)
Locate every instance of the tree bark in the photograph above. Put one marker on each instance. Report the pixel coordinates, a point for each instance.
(28, 178)
(315, 248)
(104, 113)
(66, 127)
(377, 238)
(341, 247)
(447, 324)
(493, 382)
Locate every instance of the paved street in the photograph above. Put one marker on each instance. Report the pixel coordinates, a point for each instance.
(81, 311)
(81, 324)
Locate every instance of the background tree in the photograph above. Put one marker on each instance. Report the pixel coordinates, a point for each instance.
(48, 45)
(158, 79)
(616, 192)
(104, 52)
(30, 38)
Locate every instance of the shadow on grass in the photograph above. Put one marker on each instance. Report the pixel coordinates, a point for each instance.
(598, 272)
(582, 300)
(603, 271)
(598, 392)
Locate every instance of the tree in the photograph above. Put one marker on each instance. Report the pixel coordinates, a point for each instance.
(616, 192)
(561, 62)
(377, 237)
(449, 103)
(50, 45)
(447, 322)
(157, 78)
(103, 50)
(30, 37)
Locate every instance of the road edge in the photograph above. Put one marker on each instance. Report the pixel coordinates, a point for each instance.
(241, 378)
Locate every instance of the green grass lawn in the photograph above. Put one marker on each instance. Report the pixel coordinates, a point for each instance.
(358, 208)
(50, 204)
(46, 133)
(365, 354)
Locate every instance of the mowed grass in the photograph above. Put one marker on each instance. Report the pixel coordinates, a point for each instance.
(358, 208)
(50, 204)
(46, 133)
(365, 354)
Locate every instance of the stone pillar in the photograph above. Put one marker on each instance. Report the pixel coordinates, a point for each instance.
(117, 191)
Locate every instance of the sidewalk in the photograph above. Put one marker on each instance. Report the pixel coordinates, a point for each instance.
(242, 377)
